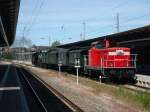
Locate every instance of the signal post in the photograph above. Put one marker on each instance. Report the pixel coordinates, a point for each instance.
(59, 66)
(77, 66)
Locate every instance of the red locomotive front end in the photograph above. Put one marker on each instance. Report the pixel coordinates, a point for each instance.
(110, 58)
(113, 61)
(117, 58)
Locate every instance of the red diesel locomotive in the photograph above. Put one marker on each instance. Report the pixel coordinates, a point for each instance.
(113, 63)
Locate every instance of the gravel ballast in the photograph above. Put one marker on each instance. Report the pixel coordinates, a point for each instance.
(82, 95)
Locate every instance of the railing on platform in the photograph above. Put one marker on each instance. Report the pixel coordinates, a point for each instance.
(130, 61)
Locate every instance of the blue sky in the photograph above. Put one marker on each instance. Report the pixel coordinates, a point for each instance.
(99, 16)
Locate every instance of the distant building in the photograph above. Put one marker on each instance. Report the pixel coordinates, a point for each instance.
(40, 48)
(23, 53)
(5, 50)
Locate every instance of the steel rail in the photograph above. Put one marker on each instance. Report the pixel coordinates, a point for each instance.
(38, 98)
(69, 103)
(138, 86)
(146, 88)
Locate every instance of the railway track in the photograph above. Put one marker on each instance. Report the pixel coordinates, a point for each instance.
(31, 96)
(139, 86)
(143, 84)
(46, 98)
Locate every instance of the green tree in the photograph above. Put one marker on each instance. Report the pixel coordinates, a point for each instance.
(56, 43)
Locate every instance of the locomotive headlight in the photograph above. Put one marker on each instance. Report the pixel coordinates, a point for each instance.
(110, 64)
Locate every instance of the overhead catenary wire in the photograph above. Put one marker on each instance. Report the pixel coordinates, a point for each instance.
(32, 15)
(113, 8)
(136, 18)
(38, 8)
(124, 22)
(120, 5)
(33, 21)
(133, 19)
(112, 25)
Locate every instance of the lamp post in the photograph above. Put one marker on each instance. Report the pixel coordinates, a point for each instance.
(63, 31)
(69, 38)
(84, 30)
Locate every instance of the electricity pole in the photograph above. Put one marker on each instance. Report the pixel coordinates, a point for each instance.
(49, 41)
(117, 23)
(84, 30)
(81, 36)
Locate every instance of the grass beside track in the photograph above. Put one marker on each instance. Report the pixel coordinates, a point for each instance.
(138, 99)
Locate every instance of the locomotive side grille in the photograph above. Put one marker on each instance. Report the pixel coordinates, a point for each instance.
(119, 53)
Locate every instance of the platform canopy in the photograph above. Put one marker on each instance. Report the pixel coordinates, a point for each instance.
(9, 10)
(131, 38)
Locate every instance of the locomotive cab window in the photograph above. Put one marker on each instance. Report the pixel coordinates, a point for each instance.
(99, 46)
